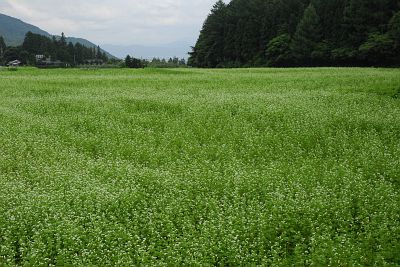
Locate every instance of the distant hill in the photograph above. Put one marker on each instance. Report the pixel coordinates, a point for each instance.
(13, 31)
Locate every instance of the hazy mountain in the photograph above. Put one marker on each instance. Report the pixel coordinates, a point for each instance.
(178, 49)
(13, 31)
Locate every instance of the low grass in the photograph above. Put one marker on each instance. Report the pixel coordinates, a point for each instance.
(276, 167)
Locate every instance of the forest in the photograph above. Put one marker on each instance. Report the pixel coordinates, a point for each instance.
(284, 33)
(55, 49)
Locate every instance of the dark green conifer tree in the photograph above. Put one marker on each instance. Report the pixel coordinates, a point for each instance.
(12, 53)
(307, 36)
(63, 40)
(3, 48)
(98, 53)
(394, 28)
(128, 61)
(209, 49)
(394, 34)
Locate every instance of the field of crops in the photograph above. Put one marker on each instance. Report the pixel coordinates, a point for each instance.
(159, 167)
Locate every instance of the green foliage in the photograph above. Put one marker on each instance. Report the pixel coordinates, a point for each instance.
(322, 33)
(279, 52)
(11, 53)
(321, 55)
(378, 49)
(25, 57)
(307, 36)
(394, 27)
(135, 63)
(344, 56)
(394, 33)
(197, 167)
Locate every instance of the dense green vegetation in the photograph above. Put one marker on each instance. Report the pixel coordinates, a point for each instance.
(54, 49)
(136, 63)
(174, 62)
(125, 167)
(300, 33)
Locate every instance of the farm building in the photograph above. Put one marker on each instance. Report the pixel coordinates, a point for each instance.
(94, 62)
(48, 63)
(39, 57)
(14, 63)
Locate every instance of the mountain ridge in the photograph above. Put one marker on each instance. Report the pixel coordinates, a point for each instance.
(14, 30)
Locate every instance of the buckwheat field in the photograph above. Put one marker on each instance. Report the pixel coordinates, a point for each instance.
(188, 167)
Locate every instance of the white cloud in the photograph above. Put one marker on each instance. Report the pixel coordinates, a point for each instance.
(115, 21)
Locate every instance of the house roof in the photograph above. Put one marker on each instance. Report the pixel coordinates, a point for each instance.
(15, 62)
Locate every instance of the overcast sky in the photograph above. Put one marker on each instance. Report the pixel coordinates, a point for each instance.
(121, 22)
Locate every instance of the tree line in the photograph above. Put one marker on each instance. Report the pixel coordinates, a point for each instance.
(175, 62)
(283, 33)
(50, 48)
(57, 49)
